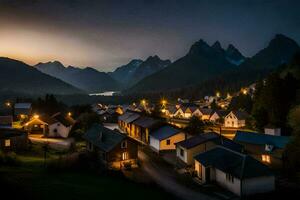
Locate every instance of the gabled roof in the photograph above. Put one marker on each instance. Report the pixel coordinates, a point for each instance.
(103, 138)
(261, 139)
(206, 111)
(129, 117)
(172, 109)
(146, 122)
(196, 140)
(237, 164)
(213, 137)
(240, 115)
(165, 132)
(63, 119)
(220, 113)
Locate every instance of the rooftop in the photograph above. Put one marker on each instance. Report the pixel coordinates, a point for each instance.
(103, 138)
(165, 132)
(261, 139)
(237, 164)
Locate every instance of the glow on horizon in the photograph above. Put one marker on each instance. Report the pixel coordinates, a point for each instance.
(31, 47)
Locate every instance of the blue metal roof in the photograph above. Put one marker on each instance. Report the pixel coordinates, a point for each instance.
(261, 139)
(165, 132)
(237, 164)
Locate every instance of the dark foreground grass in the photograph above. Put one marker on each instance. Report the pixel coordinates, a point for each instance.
(31, 180)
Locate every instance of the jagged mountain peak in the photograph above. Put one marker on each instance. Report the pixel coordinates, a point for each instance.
(198, 47)
(217, 45)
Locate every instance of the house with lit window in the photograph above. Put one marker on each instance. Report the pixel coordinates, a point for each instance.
(57, 125)
(125, 121)
(267, 149)
(165, 137)
(205, 113)
(13, 139)
(114, 149)
(6, 121)
(60, 125)
(22, 111)
(217, 116)
(234, 171)
(235, 119)
(187, 149)
(143, 127)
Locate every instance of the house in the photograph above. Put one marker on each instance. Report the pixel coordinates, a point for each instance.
(38, 124)
(179, 113)
(60, 125)
(235, 119)
(205, 113)
(142, 127)
(170, 110)
(165, 138)
(114, 149)
(217, 116)
(6, 121)
(125, 120)
(186, 150)
(234, 171)
(57, 125)
(22, 110)
(109, 115)
(13, 139)
(265, 148)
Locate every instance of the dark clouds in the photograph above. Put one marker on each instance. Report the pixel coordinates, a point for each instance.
(109, 33)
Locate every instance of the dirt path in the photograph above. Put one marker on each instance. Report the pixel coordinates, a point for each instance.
(165, 180)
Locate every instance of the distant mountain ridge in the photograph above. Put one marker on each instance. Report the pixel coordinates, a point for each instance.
(136, 70)
(205, 63)
(87, 79)
(18, 77)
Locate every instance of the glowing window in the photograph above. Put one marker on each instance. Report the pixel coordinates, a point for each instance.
(124, 156)
(7, 143)
(266, 158)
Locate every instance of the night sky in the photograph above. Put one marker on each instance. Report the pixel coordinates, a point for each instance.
(107, 34)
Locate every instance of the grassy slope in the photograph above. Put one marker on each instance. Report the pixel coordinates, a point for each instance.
(31, 181)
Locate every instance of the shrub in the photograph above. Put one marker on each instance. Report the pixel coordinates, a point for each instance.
(9, 159)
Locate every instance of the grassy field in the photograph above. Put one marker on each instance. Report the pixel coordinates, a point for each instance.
(31, 180)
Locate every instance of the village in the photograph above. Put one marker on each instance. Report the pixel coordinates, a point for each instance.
(202, 142)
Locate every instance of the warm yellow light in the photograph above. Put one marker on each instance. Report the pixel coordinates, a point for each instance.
(163, 110)
(266, 158)
(222, 105)
(8, 104)
(36, 116)
(228, 96)
(218, 94)
(244, 91)
(69, 114)
(143, 102)
(163, 102)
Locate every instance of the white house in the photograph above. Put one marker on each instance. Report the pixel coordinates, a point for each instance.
(236, 172)
(205, 113)
(235, 119)
(217, 115)
(165, 137)
(60, 125)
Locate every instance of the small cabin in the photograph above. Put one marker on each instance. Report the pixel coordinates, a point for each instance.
(165, 138)
(267, 149)
(234, 171)
(114, 149)
(13, 139)
(235, 119)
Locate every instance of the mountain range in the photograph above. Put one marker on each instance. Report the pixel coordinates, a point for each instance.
(87, 79)
(205, 63)
(136, 70)
(203, 69)
(18, 77)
